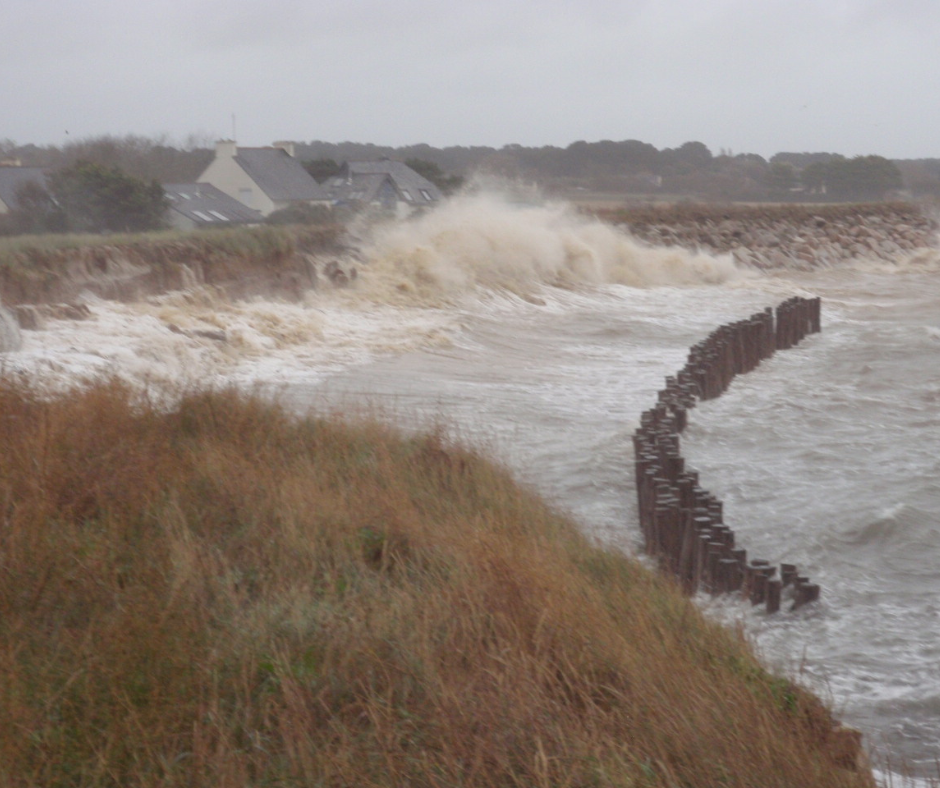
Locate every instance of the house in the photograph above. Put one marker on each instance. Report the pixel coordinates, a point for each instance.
(384, 183)
(265, 179)
(12, 179)
(195, 205)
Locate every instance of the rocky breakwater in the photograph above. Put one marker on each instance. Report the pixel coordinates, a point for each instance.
(785, 236)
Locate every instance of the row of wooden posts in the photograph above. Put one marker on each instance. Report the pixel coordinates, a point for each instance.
(683, 524)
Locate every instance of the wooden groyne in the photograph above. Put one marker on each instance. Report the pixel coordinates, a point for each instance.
(682, 523)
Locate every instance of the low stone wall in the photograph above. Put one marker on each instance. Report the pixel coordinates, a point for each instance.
(785, 236)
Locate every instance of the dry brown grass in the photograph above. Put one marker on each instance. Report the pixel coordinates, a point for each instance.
(39, 269)
(223, 595)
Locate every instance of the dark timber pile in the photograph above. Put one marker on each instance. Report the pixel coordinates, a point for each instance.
(682, 523)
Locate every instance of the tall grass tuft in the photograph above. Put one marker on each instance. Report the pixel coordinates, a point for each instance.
(221, 594)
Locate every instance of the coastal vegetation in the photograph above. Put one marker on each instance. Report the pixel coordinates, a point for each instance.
(622, 167)
(95, 198)
(58, 267)
(220, 593)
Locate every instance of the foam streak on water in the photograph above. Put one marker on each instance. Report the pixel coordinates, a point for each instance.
(543, 336)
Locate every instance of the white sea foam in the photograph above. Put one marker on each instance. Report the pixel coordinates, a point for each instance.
(807, 452)
(416, 280)
(485, 242)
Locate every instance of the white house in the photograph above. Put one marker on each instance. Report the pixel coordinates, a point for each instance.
(265, 179)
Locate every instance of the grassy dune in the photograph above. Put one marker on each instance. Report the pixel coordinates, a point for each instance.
(223, 595)
(26, 250)
(40, 269)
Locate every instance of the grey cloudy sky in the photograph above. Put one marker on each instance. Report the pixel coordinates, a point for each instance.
(851, 76)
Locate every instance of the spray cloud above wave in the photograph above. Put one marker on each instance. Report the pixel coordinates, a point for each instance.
(485, 241)
(469, 246)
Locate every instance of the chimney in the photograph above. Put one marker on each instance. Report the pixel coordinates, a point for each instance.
(226, 149)
(286, 146)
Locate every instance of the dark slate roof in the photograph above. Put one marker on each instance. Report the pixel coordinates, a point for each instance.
(11, 178)
(279, 175)
(204, 204)
(413, 188)
(357, 188)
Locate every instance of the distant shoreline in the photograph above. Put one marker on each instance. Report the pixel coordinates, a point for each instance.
(284, 262)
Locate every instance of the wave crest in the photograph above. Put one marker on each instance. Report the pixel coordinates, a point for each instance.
(485, 242)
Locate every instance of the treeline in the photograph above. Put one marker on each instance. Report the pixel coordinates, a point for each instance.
(159, 158)
(624, 167)
(86, 197)
(635, 167)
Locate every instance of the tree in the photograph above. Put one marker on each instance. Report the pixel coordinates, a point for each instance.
(95, 198)
(685, 159)
(35, 211)
(428, 169)
(695, 153)
(781, 177)
(859, 178)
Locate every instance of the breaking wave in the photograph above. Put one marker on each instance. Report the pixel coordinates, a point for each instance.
(486, 242)
(416, 280)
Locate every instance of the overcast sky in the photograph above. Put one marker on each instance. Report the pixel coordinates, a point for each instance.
(761, 76)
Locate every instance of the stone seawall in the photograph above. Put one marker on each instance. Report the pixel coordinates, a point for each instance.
(785, 236)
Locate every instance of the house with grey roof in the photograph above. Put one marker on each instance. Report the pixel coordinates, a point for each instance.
(12, 179)
(196, 205)
(385, 183)
(265, 179)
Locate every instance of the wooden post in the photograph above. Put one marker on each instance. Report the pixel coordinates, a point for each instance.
(682, 524)
(758, 590)
(773, 595)
(788, 573)
(805, 594)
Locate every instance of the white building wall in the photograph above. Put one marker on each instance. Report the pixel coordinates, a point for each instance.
(227, 176)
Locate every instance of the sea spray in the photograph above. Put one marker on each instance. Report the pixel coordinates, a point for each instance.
(418, 280)
(484, 242)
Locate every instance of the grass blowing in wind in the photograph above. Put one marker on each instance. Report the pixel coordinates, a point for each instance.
(221, 594)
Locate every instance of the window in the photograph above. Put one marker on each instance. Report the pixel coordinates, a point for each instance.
(426, 194)
(218, 215)
(406, 194)
(203, 216)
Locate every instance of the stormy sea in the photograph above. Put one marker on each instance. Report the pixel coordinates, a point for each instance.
(542, 335)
